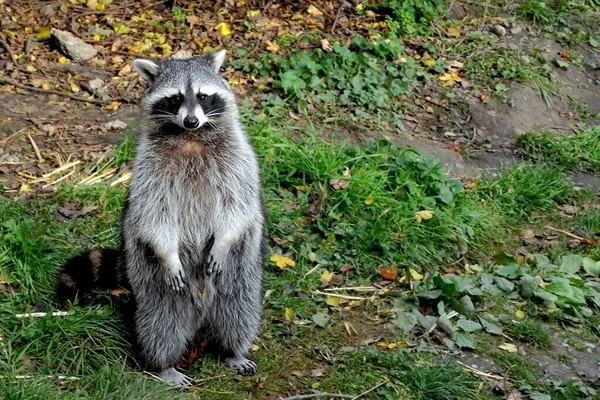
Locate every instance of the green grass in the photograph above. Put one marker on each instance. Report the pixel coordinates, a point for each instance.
(369, 222)
(531, 332)
(575, 152)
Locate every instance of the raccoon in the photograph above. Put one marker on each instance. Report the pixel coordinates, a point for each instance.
(193, 225)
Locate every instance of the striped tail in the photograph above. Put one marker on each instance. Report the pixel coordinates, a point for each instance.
(94, 269)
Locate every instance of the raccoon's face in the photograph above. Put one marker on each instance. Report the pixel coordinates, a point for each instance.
(186, 94)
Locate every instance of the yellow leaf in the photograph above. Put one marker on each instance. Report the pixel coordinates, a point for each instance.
(327, 276)
(511, 348)
(101, 7)
(121, 29)
(333, 301)
(454, 31)
(520, 314)
(289, 314)
(96, 37)
(282, 261)
(542, 284)
(369, 200)
(415, 275)
(43, 34)
(63, 60)
(312, 256)
(423, 215)
(297, 17)
(430, 62)
(25, 188)
(314, 11)
(224, 28)
(350, 329)
(30, 68)
(92, 4)
(272, 46)
(252, 13)
(112, 106)
(75, 88)
(255, 347)
(450, 78)
(46, 86)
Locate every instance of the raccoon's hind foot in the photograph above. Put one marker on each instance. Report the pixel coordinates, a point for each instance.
(243, 365)
(171, 375)
(176, 280)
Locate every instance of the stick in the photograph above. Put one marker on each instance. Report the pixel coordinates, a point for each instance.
(355, 288)
(61, 377)
(70, 96)
(11, 54)
(36, 149)
(312, 270)
(341, 296)
(370, 390)
(569, 234)
(478, 372)
(43, 314)
(62, 178)
(319, 394)
(61, 169)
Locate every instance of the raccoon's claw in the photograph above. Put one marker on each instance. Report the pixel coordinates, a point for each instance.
(213, 265)
(171, 375)
(243, 365)
(176, 281)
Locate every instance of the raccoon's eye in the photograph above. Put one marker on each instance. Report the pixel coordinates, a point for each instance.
(176, 99)
(202, 97)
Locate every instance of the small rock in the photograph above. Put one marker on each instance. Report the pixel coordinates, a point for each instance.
(116, 125)
(47, 10)
(499, 30)
(96, 84)
(183, 54)
(516, 30)
(74, 47)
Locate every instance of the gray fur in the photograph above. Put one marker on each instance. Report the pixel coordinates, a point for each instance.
(193, 226)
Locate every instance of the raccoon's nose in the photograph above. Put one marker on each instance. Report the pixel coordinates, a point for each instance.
(191, 122)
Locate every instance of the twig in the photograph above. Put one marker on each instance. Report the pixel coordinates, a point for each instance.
(61, 377)
(355, 288)
(370, 390)
(343, 3)
(312, 270)
(11, 54)
(340, 296)
(319, 394)
(481, 373)
(60, 169)
(43, 314)
(62, 178)
(35, 149)
(70, 96)
(569, 234)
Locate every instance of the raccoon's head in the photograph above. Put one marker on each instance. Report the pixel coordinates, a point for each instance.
(186, 94)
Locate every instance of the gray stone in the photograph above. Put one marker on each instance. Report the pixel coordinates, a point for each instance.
(47, 10)
(499, 30)
(516, 30)
(75, 48)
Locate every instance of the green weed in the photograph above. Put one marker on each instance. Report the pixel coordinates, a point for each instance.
(531, 332)
(409, 17)
(577, 152)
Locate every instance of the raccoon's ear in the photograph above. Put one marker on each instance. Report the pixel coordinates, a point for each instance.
(217, 59)
(146, 68)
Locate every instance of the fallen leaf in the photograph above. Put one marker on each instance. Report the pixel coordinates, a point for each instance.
(255, 347)
(450, 78)
(314, 11)
(388, 273)
(415, 275)
(369, 200)
(430, 62)
(527, 234)
(320, 319)
(223, 28)
(350, 329)
(333, 301)
(520, 314)
(272, 46)
(423, 215)
(289, 314)
(454, 31)
(43, 33)
(346, 267)
(252, 13)
(326, 276)
(326, 46)
(509, 347)
(282, 261)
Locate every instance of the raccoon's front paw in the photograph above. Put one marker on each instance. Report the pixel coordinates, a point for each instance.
(214, 264)
(176, 280)
(243, 365)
